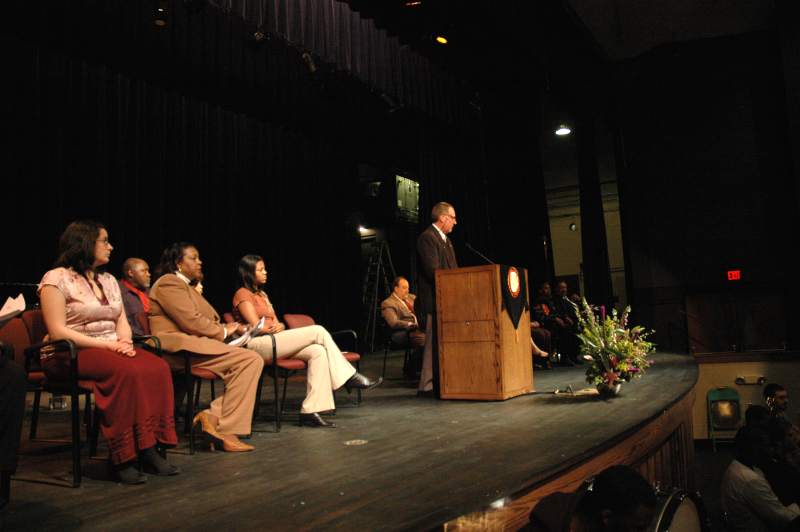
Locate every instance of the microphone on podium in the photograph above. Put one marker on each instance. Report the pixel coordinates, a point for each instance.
(478, 253)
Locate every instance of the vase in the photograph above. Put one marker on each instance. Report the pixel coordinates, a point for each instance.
(609, 391)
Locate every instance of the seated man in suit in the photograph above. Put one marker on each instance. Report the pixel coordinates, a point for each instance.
(134, 287)
(398, 312)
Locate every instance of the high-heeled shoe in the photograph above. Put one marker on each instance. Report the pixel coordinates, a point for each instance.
(359, 381)
(206, 425)
(315, 420)
(232, 444)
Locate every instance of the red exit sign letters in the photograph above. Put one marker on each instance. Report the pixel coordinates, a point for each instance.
(734, 275)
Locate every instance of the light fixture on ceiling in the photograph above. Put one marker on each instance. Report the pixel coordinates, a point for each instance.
(441, 39)
(413, 3)
(161, 13)
(563, 130)
(573, 227)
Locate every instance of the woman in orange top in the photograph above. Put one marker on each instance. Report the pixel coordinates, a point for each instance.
(328, 370)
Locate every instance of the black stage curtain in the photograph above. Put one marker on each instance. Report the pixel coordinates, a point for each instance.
(195, 135)
(158, 166)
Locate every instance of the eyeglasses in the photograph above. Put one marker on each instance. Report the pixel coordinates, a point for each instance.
(452, 216)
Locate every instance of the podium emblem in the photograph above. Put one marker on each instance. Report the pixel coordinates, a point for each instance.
(512, 281)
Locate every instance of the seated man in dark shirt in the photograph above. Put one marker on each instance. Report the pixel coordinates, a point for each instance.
(563, 306)
(134, 286)
(561, 327)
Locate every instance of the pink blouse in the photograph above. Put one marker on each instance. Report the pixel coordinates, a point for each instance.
(86, 314)
(259, 300)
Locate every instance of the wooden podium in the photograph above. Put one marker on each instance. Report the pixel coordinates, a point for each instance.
(481, 355)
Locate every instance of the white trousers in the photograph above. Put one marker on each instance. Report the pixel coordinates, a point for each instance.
(328, 370)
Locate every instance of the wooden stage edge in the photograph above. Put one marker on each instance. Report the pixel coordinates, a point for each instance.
(661, 448)
(396, 462)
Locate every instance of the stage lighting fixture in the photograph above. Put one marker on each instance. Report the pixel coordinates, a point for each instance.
(413, 3)
(258, 36)
(563, 130)
(308, 59)
(441, 39)
(161, 13)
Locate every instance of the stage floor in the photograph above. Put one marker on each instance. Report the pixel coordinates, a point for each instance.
(397, 462)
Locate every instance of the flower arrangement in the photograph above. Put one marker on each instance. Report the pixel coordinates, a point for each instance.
(614, 352)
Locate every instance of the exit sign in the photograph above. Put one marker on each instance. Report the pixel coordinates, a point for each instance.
(734, 275)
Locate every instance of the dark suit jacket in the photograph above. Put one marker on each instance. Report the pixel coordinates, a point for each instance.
(133, 309)
(433, 254)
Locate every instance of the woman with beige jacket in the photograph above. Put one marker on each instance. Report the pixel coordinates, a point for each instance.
(184, 321)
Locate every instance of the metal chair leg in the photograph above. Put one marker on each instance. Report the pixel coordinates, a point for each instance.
(76, 439)
(37, 400)
(285, 385)
(94, 431)
(278, 406)
(198, 385)
(385, 356)
(190, 414)
(257, 406)
(358, 391)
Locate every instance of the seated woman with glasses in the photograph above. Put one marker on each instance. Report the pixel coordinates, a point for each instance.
(132, 387)
(184, 321)
(328, 370)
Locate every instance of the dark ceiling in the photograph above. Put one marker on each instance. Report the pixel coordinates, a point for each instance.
(498, 41)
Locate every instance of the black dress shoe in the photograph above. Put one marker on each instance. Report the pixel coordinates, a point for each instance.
(128, 474)
(361, 382)
(331, 412)
(154, 464)
(314, 420)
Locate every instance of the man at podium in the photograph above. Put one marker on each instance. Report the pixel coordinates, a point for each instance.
(434, 251)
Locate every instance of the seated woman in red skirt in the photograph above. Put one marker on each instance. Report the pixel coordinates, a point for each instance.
(132, 387)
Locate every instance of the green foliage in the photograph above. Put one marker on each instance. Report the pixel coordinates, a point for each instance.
(614, 352)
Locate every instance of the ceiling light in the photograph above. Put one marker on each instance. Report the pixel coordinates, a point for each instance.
(161, 13)
(563, 130)
(441, 39)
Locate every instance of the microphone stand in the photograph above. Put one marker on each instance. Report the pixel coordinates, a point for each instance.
(478, 253)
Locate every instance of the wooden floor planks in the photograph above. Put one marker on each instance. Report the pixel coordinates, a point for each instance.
(424, 461)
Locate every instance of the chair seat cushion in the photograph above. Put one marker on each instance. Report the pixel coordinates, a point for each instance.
(351, 357)
(293, 364)
(36, 377)
(202, 373)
